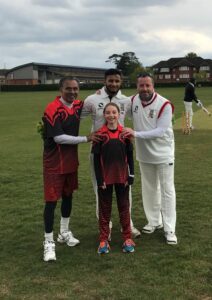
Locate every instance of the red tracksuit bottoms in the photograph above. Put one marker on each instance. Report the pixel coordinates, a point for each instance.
(105, 207)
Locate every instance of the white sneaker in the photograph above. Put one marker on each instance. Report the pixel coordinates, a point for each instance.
(110, 231)
(135, 232)
(150, 229)
(68, 238)
(171, 238)
(49, 251)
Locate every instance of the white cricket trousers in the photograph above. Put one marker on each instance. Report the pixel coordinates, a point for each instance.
(189, 110)
(93, 177)
(158, 194)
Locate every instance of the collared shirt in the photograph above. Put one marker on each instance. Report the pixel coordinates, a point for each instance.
(58, 120)
(153, 130)
(94, 106)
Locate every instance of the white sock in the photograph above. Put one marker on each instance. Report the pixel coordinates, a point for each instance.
(64, 224)
(49, 236)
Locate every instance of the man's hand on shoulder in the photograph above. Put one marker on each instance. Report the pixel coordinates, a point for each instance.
(128, 132)
(94, 137)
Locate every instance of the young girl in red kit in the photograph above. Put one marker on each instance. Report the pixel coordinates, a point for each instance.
(114, 168)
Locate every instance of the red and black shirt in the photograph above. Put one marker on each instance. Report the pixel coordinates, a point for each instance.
(59, 119)
(113, 157)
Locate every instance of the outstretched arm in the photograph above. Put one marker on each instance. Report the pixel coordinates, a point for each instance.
(74, 140)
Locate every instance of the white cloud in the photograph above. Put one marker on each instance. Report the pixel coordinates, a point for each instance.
(51, 3)
(87, 32)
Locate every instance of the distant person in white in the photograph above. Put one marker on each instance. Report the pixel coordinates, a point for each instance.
(154, 139)
(94, 106)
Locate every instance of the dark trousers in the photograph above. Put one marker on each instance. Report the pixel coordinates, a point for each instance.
(105, 207)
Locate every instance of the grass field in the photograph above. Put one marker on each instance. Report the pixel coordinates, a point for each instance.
(154, 271)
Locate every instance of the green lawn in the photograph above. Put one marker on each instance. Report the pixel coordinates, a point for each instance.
(154, 271)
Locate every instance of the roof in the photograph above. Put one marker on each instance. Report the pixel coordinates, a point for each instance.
(183, 61)
(46, 65)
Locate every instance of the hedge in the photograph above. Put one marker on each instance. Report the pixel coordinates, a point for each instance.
(55, 87)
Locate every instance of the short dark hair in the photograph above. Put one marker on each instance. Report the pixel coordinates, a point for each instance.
(111, 104)
(63, 79)
(144, 74)
(113, 72)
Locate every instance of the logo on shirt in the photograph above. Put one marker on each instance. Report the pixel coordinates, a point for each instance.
(121, 108)
(135, 109)
(100, 105)
(152, 113)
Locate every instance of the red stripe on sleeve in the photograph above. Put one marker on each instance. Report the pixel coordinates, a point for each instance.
(162, 108)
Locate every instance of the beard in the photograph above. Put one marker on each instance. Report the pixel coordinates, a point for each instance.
(111, 92)
(145, 97)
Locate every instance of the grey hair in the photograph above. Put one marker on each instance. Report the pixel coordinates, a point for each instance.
(63, 79)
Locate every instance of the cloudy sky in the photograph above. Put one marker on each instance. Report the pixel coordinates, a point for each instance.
(87, 32)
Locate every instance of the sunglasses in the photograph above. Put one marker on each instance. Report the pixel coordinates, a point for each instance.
(143, 75)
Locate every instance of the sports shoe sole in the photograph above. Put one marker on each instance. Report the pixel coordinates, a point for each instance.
(171, 242)
(52, 259)
(105, 252)
(73, 244)
(126, 251)
(152, 231)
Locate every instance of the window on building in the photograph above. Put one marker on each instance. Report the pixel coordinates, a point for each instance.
(162, 70)
(184, 76)
(204, 68)
(160, 76)
(167, 76)
(184, 68)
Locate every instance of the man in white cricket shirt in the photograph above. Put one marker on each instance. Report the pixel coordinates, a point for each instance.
(154, 139)
(94, 106)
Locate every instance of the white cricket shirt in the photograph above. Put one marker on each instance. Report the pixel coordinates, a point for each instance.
(152, 147)
(94, 106)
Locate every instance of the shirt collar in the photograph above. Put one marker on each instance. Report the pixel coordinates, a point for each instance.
(65, 102)
(105, 94)
(144, 103)
(105, 128)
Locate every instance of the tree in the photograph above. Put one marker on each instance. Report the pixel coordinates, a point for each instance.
(200, 76)
(191, 55)
(134, 74)
(127, 62)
